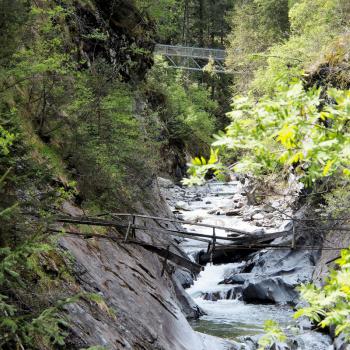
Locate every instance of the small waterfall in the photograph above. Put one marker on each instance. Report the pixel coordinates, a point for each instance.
(218, 288)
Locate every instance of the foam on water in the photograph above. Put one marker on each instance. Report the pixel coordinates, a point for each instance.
(228, 318)
(208, 280)
(225, 317)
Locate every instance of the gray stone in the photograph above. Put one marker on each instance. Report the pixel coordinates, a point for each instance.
(233, 212)
(237, 278)
(258, 216)
(235, 293)
(165, 183)
(181, 205)
(184, 277)
(340, 343)
(238, 205)
(187, 305)
(311, 340)
(271, 289)
(273, 275)
(148, 306)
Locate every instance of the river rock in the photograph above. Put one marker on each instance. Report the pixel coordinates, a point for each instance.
(279, 346)
(238, 205)
(181, 205)
(258, 216)
(276, 274)
(235, 293)
(237, 278)
(303, 341)
(251, 342)
(214, 343)
(184, 277)
(267, 208)
(271, 289)
(304, 323)
(312, 340)
(213, 296)
(148, 305)
(233, 212)
(187, 305)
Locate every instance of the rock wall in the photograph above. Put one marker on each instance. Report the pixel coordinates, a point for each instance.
(144, 304)
(126, 41)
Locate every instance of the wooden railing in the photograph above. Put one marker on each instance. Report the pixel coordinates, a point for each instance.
(129, 224)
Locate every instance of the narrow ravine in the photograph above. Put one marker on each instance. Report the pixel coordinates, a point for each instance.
(221, 289)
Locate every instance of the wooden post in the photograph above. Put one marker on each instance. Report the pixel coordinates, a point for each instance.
(133, 226)
(127, 232)
(293, 237)
(213, 246)
(209, 246)
(214, 238)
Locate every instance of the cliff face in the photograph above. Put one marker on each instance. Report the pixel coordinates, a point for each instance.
(118, 32)
(146, 311)
(144, 304)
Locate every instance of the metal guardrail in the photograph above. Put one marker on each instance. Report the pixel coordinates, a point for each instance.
(188, 51)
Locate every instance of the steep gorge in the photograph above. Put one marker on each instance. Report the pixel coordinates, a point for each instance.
(67, 154)
(88, 124)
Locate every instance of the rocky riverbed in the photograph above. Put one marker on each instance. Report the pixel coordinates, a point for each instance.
(239, 292)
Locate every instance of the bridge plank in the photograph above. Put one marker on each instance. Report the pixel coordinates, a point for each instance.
(169, 255)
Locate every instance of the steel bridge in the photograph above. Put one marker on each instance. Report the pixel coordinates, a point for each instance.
(192, 58)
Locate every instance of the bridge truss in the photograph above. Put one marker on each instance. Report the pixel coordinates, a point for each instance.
(192, 58)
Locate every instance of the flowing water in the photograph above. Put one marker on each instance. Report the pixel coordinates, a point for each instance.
(231, 318)
(226, 316)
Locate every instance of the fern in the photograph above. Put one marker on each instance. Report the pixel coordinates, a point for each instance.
(330, 305)
(273, 334)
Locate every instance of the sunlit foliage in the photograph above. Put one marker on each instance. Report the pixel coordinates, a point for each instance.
(330, 305)
(292, 131)
(273, 334)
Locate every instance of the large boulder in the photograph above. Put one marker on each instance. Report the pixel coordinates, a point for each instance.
(270, 276)
(270, 289)
(274, 274)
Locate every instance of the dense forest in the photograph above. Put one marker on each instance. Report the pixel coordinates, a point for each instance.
(90, 117)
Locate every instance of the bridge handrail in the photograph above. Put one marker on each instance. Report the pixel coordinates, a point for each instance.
(191, 223)
(183, 222)
(190, 51)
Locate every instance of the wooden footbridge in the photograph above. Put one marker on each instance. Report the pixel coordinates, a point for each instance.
(192, 58)
(129, 228)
